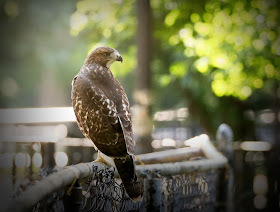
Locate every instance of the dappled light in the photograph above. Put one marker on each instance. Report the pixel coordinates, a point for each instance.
(260, 201)
(255, 146)
(218, 33)
(78, 22)
(187, 67)
(61, 159)
(169, 115)
(37, 160)
(260, 187)
(260, 184)
(37, 115)
(21, 160)
(171, 17)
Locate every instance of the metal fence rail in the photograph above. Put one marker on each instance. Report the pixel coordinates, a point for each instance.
(171, 186)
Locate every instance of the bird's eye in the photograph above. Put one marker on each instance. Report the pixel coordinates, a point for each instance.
(107, 54)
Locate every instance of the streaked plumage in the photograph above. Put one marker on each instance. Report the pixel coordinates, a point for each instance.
(103, 114)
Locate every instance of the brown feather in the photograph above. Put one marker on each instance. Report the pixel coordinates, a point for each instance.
(103, 115)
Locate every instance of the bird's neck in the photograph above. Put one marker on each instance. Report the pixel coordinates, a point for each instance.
(92, 59)
(97, 72)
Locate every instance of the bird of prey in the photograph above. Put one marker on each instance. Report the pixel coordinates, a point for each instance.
(103, 114)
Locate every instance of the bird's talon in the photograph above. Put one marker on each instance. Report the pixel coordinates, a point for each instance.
(69, 190)
(140, 161)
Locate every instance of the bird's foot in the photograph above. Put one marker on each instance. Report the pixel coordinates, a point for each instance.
(69, 190)
(99, 159)
(140, 161)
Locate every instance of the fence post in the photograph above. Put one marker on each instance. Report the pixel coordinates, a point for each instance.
(48, 150)
(29, 170)
(152, 194)
(225, 198)
(221, 191)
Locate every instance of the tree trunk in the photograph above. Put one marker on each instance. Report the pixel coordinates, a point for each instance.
(142, 94)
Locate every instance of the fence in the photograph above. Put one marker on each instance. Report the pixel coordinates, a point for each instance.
(196, 182)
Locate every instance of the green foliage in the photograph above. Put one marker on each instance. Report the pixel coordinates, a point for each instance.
(233, 42)
(110, 23)
(217, 57)
(223, 57)
(216, 54)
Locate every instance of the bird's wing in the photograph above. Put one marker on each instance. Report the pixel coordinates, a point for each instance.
(124, 115)
(100, 116)
(103, 114)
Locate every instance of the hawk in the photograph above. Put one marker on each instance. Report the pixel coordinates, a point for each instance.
(103, 114)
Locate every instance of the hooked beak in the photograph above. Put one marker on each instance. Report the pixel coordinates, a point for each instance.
(119, 58)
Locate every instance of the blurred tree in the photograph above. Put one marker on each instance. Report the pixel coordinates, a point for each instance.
(223, 56)
(220, 58)
(142, 95)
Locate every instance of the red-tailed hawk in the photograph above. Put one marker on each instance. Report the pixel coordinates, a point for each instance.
(103, 114)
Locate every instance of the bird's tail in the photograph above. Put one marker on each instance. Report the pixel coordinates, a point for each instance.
(126, 169)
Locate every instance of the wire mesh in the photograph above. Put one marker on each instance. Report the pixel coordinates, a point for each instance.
(192, 192)
(104, 192)
(194, 185)
(53, 203)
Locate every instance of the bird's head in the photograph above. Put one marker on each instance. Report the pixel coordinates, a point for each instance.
(104, 56)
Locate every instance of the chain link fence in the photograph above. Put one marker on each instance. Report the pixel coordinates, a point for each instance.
(195, 184)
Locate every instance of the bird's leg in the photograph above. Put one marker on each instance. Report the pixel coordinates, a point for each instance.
(140, 161)
(99, 159)
(69, 190)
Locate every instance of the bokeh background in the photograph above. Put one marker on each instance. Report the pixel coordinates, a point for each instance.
(188, 67)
